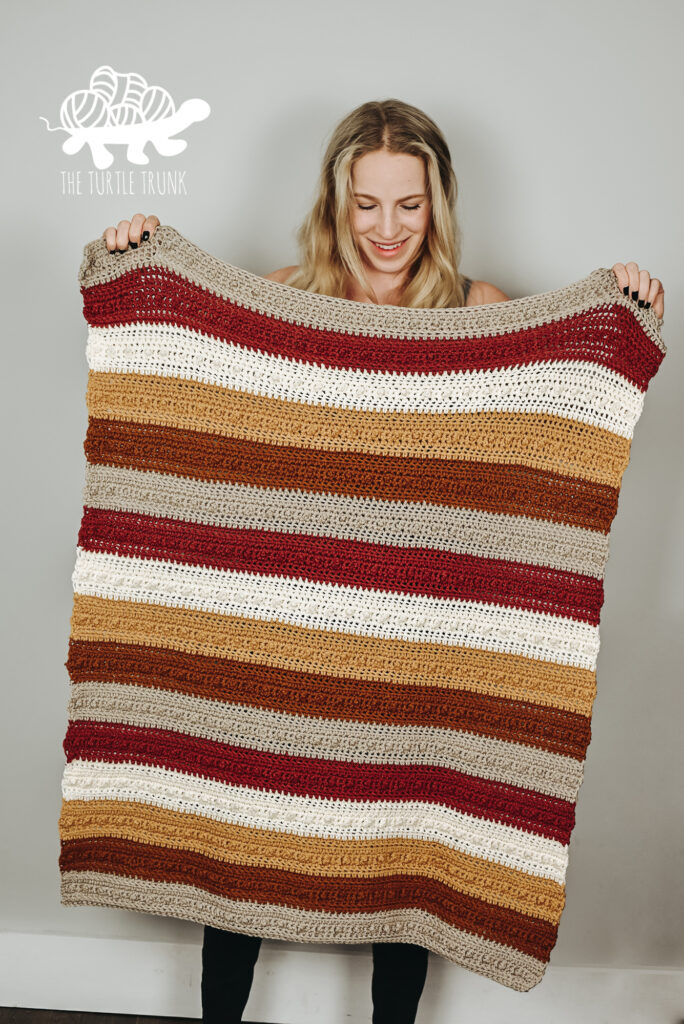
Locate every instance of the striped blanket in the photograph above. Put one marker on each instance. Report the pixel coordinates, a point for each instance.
(336, 604)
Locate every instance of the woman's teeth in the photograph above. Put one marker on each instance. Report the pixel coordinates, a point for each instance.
(389, 248)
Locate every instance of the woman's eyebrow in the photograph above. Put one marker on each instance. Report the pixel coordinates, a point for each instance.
(415, 195)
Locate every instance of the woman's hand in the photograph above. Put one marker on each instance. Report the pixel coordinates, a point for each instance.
(138, 228)
(644, 289)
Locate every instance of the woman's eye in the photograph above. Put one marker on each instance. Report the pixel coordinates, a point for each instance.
(417, 207)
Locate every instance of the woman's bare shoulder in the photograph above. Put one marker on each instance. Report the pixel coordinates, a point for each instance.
(282, 274)
(482, 292)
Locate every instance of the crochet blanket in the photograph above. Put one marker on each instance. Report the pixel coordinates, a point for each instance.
(336, 603)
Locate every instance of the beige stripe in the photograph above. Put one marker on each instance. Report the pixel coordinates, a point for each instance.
(168, 248)
(503, 964)
(403, 523)
(279, 732)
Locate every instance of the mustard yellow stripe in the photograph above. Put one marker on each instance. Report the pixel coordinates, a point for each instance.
(313, 855)
(540, 440)
(326, 652)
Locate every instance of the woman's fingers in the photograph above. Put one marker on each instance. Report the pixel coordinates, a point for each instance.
(109, 235)
(143, 227)
(640, 286)
(130, 232)
(632, 269)
(644, 285)
(122, 234)
(656, 296)
(628, 278)
(135, 230)
(151, 224)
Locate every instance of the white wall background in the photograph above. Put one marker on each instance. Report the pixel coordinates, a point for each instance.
(565, 128)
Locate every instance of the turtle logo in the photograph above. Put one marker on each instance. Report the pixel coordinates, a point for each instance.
(122, 109)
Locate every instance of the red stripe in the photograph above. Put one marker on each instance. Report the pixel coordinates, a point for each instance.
(372, 566)
(319, 777)
(608, 335)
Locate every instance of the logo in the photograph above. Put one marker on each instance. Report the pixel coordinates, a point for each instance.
(123, 110)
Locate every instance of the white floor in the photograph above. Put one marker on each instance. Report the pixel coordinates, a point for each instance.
(295, 985)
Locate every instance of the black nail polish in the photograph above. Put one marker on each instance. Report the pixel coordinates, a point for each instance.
(625, 290)
(134, 245)
(635, 295)
(647, 306)
(145, 235)
(641, 303)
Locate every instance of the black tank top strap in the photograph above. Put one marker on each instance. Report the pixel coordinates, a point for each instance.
(467, 283)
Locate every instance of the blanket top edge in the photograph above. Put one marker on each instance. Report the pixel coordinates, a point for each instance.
(169, 248)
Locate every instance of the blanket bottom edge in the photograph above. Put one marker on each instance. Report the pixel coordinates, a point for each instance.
(509, 967)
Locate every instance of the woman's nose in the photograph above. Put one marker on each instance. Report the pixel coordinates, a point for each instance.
(388, 225)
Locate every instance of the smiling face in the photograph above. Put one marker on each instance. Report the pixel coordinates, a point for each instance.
(390, 206)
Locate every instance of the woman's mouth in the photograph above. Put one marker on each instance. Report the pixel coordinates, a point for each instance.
(388, 250)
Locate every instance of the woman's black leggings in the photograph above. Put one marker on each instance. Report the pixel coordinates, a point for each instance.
(228, 959)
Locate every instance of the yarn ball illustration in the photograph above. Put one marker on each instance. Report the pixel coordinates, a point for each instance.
(115, 99)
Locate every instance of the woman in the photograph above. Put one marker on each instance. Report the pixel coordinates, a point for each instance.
(383, 229)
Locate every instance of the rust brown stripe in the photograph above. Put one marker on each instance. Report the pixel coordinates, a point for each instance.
(491, 487)
(339, 895)
(537, 440)
(473, 876)
(329, 696)
(288, 646)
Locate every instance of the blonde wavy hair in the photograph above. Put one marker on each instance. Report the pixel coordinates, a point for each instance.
(329, 255)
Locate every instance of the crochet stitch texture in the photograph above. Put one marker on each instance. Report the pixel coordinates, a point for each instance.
(336, 605)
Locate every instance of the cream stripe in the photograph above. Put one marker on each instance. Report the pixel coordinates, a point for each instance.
(324, 817)
(585, 392)
(404, 523)
(494, 961)
(338, 608)
(299, 735)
